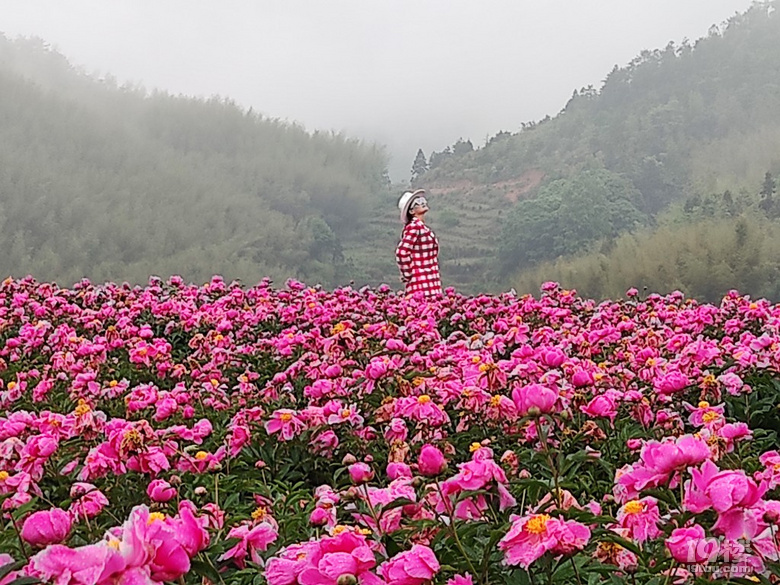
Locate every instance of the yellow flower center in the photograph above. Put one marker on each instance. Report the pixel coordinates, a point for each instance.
(365, 531)
(11, 385)
(3, 475)
(131, 440)
(710, 416)
(243, 378)
(337, 328)
(214, 382)
(634, 507)
(484, 368)
(142, 351)
(260, 513)
(114, 542)
(218, 337)
(339, 529)
(201, 455)
(424, 399)
(346, 413)
(537, 524)
(704, 404)
(474, 447)
(300, 556)
(112, 383)
(82, 408)
(476, 359)
(495, 400)
(753, 306)
(708, 380)
(155, 516)
(650, 362)
(286, 417)
(418, 381)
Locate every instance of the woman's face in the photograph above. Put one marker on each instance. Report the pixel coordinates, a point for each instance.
(419, 207)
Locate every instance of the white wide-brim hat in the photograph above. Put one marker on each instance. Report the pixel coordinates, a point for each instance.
(406, 200)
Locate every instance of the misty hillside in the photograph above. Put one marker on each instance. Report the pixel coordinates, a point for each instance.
(683, 134)
(114, 183)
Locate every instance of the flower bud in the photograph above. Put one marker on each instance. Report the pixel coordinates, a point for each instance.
(360, 473)
(431, 461)
(346, 579)
(349, 459)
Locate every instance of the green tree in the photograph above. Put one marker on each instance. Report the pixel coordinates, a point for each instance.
(419, 166)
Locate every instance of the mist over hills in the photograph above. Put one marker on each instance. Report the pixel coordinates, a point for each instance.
(116, 183)
(664, 177)
(686, 133)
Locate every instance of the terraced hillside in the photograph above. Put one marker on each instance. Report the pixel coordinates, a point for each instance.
(467, 219)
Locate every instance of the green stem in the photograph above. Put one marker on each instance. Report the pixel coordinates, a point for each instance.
(553, 467)
(454, 533)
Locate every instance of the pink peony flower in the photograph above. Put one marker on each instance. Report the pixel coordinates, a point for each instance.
(431, 461)
(286, 423)
(252, 539)
(640, 518)
(466, 579)
(532, 536)
(46, 527)
(160, 490)
(86, 565)
(411, 567)
(88, 501)
(689, 545)
(360, 473)
(534, 398)
(397, 469)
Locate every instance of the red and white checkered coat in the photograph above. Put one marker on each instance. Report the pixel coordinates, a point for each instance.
(417, 256)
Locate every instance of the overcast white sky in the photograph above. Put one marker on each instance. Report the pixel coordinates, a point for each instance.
(406, 73)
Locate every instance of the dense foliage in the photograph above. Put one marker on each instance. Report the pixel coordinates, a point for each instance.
(112, 182)
(222, 434)
(689, 120)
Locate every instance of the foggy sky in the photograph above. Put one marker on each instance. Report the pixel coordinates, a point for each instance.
(406, 73)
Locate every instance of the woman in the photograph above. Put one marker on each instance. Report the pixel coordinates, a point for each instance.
(417, 254)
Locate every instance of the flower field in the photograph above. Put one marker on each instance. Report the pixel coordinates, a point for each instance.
(223, 434)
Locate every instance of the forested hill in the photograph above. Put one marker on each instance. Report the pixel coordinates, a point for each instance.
(683, 134)
(117, 183)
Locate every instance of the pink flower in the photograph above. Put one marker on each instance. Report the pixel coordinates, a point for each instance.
(604, 406)
(252, 539)
(411, 567)
(87, 500)
(347, 553)
(671, 383)
(421, 409)
(396, 469)
(532, 536)
(285, 568)
(86, 565)
(731, 493)
(46, 527)
(360, 473)
(431, 461)
(689, 545)
(534, 398)
(640, 518)
(396, 430)
(466, 579)
(160, 490)
(286, 423)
